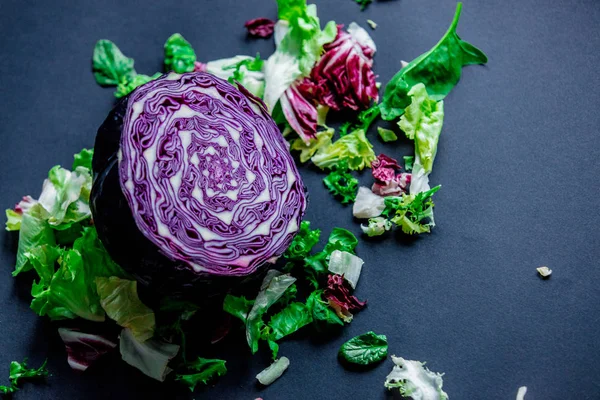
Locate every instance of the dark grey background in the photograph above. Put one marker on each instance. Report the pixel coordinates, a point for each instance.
(518, 161)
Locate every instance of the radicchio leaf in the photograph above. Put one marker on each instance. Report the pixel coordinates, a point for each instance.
(83, 349)
(260, 27)
(340, 299)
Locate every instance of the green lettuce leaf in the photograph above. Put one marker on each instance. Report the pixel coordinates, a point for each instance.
(365, 349)
(110, 65)
(65, 196)
(36, 242)
(13, 220)
(129, 84)
(204, 371)
(120, 300)
(83, 159)
(323, 316)
(387, 135)
(303, 242)
(239, 307)
(289, 320)
(323, 140)
(439, 69)
(377, 226)
(299, 43)
(422, 122)
(19, 372)
(316, 265)
(354, 149)
(408, 163)
(245, 70)
(413, 213)
(273, 287)
(342, 184)
(179, 54)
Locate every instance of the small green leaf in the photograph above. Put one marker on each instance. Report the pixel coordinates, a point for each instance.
(342, 184)
(239, 307)
(110, 65)
(408, 163)
(179, 54)
(128, 85)
(204, 369)
(365, 349)
(387, 135)
(83, 159)
(303, 242)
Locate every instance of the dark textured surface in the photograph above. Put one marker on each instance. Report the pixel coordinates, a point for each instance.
(518, 161)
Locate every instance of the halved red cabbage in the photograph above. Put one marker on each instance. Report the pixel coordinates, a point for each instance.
(204, 173)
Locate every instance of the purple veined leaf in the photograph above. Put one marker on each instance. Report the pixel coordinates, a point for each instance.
(83, 349)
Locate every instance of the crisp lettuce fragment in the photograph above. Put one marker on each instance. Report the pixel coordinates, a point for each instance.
(346, 264)
(323, 140)
(367, 204)
(414, 380)
(354, 149)
(273, 371)
(377, 226)
(151, 357)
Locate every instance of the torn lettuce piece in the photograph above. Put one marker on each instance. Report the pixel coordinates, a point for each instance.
(323, 316)
(245, 70)
(413, 213)
(414, 380)
(203, 370)
(127, 85)
(110, 65)
(346, 264)
(120, 300)
(151, 357)
(289, 320)
(354, 149)
(83, 349)
(303, 242)
(367, 204)
(13, 220)
(179, 54)
(273, 371)
(239, 307)
(340, 300)
(387, 135)
(439, 70)
(20, 371)
(341, 184)
(65, 196)
(521, 393)
(408, 163)
(37, 245)
(377, 226)
(273, 287)
(322, 140)
(544, 271)
(422, 122)
(83, 159)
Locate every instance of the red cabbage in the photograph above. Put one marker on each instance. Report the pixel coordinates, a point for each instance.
(194, 183)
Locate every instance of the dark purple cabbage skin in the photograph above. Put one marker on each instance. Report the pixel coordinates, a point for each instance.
(127, 245)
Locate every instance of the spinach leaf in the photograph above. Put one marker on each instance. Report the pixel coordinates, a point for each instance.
(365, 349)
(439, 69)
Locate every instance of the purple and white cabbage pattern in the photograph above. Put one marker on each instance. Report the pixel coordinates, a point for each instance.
(207, 174)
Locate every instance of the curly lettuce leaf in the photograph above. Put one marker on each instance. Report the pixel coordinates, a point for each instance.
(83, 159)
(179, 54)
(307, 150)
(19, 372)
(203, 370)
(110, 65)
(120, 300)
(439, 69)
(341, 184)
(289, 320)
(414, 380)
(303, 242)
(376, 227)
(354, 149)
(129, 84)
(37, 245)
(413, 213)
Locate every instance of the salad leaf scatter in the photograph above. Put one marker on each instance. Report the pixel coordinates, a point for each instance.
(413, 213)
(365, 349)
